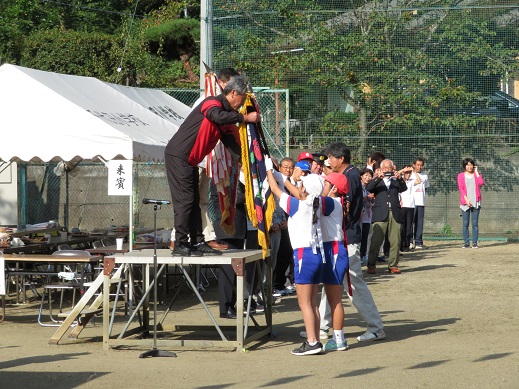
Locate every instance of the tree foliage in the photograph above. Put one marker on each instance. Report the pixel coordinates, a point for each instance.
(154, 44)
(407, 70)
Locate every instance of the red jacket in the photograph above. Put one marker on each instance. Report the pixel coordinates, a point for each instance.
(212, 120)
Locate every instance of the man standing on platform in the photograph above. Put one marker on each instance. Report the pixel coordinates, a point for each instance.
(216, 118)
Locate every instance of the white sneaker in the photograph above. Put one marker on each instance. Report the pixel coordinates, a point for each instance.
(323, 335)
(411, 246)
(276, 293)
(370, 336)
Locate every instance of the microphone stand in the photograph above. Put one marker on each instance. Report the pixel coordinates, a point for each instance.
(154, 352)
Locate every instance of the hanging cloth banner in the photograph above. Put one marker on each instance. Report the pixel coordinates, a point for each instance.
(259, 198)
(120, 177)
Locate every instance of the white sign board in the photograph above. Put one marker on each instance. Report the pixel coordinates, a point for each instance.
(2, 276)
(120, 178)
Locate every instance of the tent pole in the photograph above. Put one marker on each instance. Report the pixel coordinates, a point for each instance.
(65, 216)
(131, 227)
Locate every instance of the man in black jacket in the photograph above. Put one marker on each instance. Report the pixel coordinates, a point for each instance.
(387, 214)
(216, 118)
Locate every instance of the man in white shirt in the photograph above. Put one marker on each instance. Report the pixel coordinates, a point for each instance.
(421, 183)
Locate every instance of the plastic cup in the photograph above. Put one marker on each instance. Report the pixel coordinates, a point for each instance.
(119, 242)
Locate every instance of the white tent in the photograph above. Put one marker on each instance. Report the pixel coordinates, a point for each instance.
(50, 117)
(47, 117)
(157, 102)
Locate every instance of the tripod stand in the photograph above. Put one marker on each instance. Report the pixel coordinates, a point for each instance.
(154, 352)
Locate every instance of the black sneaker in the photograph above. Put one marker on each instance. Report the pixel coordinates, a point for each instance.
(181, 250)
(205, 249)
(306, 349)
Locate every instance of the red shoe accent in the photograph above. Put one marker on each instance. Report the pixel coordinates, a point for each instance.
(394, 270)
(372, 270)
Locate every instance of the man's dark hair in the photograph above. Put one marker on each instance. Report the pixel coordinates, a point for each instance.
(366, 171)
(226, 74)
(466, 161)
(339, 150)
(419, 159)
(237, 83)
(377, 156)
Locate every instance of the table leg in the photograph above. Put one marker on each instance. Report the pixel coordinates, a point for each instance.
(106, 310)
(239, 309)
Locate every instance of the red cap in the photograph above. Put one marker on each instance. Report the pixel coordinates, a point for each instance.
(340, 181)
(305, 155)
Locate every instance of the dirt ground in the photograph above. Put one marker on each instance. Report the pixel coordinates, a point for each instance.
(451, 318)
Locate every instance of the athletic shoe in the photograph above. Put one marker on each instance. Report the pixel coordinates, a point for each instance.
(323, 335)
(418, 247)
(260, 308)
(465, 247)
(181, 250)
(364, 260)
(411, 246)
(370, 336)
(381, 259)
(475, 247)
(204, 248)
(372, 270)
(290, 289)
(306, 349)
(333, 346)
(276, 293)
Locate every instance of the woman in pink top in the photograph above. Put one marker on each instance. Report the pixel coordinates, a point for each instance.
(469, 183)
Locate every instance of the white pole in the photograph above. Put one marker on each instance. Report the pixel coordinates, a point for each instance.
(206, 39)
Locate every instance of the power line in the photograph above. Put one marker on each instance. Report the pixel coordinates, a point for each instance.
(120, 68)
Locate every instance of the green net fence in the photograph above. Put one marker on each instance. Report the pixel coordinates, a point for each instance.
(434, 79)
(88, 206)
(407, 79)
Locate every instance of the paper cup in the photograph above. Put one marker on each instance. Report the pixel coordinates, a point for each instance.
(119, 242)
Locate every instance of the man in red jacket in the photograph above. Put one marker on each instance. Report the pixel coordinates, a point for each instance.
(215, 118)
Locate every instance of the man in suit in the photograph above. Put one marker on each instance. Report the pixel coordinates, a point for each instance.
(387, 214)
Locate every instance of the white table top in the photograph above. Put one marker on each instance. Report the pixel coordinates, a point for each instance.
(164, 257)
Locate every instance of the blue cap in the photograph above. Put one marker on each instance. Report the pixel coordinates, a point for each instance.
(303, 165)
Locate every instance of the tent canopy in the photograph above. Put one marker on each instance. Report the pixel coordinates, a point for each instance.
(47, 116)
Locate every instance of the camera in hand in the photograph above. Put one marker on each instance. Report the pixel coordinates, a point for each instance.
(388, 174)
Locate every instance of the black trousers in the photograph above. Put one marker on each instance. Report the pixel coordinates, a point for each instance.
(364, 242)
(285, 263)
(407, 228)
(185, 197)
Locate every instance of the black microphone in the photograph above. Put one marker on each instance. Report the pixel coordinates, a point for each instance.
(158, 202)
